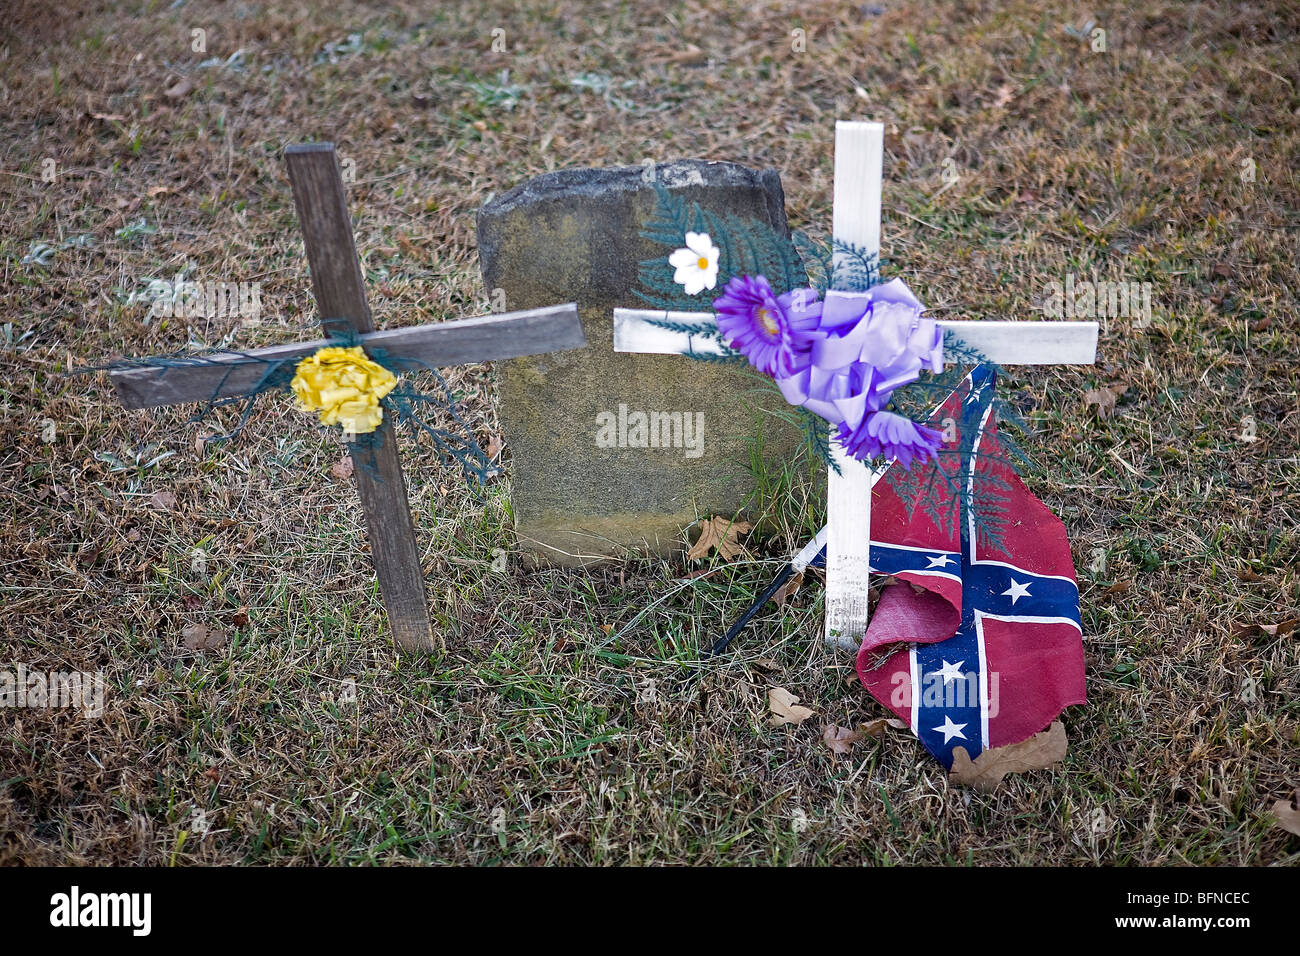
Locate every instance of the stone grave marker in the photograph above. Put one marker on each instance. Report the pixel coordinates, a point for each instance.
(583, 490)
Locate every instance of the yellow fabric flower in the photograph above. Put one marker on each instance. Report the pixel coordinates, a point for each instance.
(345, 386)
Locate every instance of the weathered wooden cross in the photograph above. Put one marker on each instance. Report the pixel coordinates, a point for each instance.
(859, 155)
(338, 286)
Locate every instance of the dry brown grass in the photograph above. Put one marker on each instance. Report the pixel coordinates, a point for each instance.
(539, 738)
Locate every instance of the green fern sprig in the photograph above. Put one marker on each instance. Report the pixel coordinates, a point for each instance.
(686, 328)
(817, 436)
(855, 269)
(734, 358)
(837, 264)
(745, 246)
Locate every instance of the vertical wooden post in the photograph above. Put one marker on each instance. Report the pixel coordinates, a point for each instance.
(339, 288)
(859, 158)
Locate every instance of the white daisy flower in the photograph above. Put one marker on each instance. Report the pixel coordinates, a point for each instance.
(697, 264)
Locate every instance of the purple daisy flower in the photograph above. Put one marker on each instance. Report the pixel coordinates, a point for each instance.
(769, 330)
(893, 436)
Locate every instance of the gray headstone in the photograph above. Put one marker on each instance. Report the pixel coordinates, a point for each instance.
(574, 235)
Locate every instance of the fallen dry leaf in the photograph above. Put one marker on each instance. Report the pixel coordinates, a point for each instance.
(876, 728)
(839, 739)
(720, 533)
(1119, 587)
(200, 637)
(1005, 95)
(1104, 399)
(767, 663)
(180, 90)
(988, 769)
(785, 707)
(240, 617)
(342, 469)
(1280, 629)
(162, 501)
(1286, 814)
(787, 589)
(689, 56)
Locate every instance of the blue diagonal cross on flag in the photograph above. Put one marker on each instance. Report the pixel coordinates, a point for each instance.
(977, 642)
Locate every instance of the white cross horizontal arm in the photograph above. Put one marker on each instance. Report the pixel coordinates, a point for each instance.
(1007, 343)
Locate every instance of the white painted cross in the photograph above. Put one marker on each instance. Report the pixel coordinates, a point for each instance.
(859, 153)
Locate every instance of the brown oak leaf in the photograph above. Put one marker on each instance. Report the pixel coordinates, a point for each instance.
(200, 637)
(1286, 814)
(785, 707)
(986, 771)
(1280, 629)
(876, 728)
(788, 589)
(1104, 399)
(720, 533)
(840, 739)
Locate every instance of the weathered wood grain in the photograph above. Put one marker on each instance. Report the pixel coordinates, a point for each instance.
(321, 202)
(483, 338)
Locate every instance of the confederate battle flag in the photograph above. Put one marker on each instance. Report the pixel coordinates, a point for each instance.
(977, 642)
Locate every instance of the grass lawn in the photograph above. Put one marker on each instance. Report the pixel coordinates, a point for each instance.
(556, 728)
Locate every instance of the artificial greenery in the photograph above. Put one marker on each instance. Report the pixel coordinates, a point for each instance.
(432, 413)
(746, 247)
(752, 247)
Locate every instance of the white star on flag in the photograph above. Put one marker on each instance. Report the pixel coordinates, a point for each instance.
(1016, 591)
(940, 562)
(950, 730)
(951, 672)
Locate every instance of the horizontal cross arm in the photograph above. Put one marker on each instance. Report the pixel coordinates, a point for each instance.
(480, 339)
(1007, 343)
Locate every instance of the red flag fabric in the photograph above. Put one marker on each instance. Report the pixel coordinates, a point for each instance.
(978, 644)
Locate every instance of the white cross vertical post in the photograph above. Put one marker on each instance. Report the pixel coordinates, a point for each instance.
(859, 158)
